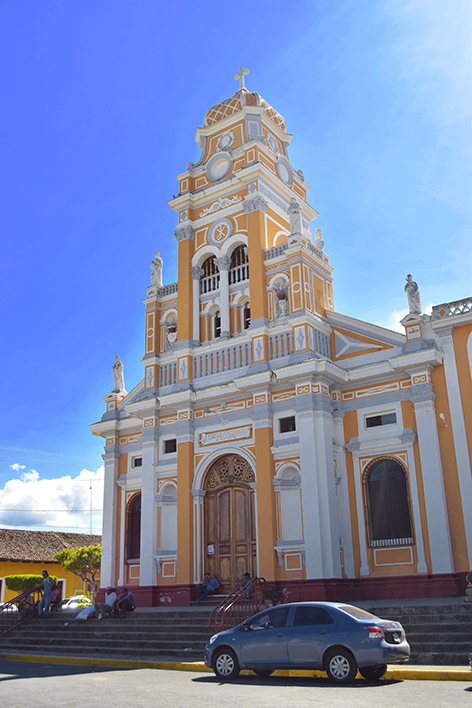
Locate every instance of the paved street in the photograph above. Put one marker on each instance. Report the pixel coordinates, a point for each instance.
(76, 686)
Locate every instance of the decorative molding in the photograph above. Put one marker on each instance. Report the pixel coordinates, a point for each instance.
(221, 204)
(256, 203)
(184, 233)
(225, 141)
(225, 435)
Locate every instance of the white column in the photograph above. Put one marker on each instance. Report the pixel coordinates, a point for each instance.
(433, 482)
(147, 571)
(196, 275)
(320, 522)
(109, 531)
(198, 497)
(415, 503)
(459, 433)
(353, 446)
(344, 515)
(223, 266)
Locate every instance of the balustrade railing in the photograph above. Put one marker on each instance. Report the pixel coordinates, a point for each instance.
(168, 374)
(276, 251)
(209, 284)
(280, 345)
(168, 289)
(449, 309)
(235, 356)
(239, 274)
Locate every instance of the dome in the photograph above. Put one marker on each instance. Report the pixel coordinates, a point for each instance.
(242, 98)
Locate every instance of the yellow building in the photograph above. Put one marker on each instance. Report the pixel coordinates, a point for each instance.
(31, 552)
(271, 433)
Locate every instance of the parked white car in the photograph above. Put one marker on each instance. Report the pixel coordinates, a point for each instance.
(76, 602)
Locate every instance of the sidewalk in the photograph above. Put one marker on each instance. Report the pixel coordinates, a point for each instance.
(405, 672)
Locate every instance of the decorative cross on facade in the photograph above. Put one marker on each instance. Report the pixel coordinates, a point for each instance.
(240, 76)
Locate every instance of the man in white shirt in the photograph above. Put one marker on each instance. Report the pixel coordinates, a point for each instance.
(103, 609)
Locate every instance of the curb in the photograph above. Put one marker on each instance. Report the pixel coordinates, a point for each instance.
(409, 673)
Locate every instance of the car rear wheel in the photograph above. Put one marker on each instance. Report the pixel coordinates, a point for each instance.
(225, 664)
(263, 673)
(373, 673)
(340, 666)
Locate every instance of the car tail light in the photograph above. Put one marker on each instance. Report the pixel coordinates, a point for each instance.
(375, 633)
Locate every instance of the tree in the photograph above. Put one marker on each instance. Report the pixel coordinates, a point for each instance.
(83, 562)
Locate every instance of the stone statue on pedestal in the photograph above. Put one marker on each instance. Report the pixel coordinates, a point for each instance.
(413, 294)
(156, 270)
(118, 377)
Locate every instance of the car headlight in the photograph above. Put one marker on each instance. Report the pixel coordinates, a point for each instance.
(212, 639)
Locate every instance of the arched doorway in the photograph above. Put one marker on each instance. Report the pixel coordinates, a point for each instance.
(230, 532)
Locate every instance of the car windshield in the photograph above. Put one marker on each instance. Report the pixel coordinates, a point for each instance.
(357, 612)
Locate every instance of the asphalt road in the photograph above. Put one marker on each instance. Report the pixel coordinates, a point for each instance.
(36, 685)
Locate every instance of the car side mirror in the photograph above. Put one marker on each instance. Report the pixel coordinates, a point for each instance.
(244, 627)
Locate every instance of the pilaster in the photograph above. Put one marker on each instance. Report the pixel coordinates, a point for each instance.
(435, 499)
(110, 515)
(150, 446)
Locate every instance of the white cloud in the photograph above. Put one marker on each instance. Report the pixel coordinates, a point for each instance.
(16, 467)
(392, 321)
(49, 503)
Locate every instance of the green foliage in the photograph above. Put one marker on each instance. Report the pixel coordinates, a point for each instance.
(83, 562)
(20, 583)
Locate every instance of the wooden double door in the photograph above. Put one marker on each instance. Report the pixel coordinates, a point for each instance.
(230, 534)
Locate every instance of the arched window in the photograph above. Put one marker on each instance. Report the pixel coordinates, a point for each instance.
(246, 316)
(210, 279)
(134, 528)
(217, 324)
(239, 269)
(387, 502)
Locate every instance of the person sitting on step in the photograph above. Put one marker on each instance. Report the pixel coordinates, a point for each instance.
(103, 609)
(123, 604)
(208, 587)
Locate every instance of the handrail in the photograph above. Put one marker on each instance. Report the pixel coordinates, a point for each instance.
(18, 610)
(242, 603)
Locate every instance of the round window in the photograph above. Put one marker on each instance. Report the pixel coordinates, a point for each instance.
(218, 166)
(284, 170)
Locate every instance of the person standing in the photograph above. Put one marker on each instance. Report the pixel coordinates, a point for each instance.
(44, 603)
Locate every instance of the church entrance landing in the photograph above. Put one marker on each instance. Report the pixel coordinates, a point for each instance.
(230, 533)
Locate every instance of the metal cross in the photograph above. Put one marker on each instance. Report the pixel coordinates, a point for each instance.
(240, 76)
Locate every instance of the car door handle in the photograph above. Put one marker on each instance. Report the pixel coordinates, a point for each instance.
(282, 634)
(323, 631)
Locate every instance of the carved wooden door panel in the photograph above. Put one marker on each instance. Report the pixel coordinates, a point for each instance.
(230, 539)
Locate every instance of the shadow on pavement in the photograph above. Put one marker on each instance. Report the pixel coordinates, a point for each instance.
(294, 681)
(10, 670)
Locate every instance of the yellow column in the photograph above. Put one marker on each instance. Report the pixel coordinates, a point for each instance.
(266, 518)
(255, 208)
(184, 237)
(185, 468)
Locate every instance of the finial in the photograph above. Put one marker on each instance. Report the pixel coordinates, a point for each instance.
(240, 76)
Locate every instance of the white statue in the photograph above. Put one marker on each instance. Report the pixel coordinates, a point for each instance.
(319, 243)
(295, 217)
(156, 270)
(171, 331)
(413, 294)
(118, 377)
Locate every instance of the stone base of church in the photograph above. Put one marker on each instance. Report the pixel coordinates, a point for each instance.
(386, 588)
(334, 590)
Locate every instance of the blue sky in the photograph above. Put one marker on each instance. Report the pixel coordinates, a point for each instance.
(101, 101)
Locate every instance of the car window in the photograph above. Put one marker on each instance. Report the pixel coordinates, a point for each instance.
(273, 619)
(357, 612)
(305, 616)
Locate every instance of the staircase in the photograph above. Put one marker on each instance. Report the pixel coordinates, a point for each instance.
(158, 634)
(438, 633)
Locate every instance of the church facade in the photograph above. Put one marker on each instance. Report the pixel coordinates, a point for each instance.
(270, 433)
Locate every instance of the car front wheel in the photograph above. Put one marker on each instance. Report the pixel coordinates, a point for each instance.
(225, 664)
(340, 666)
(373, 673)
